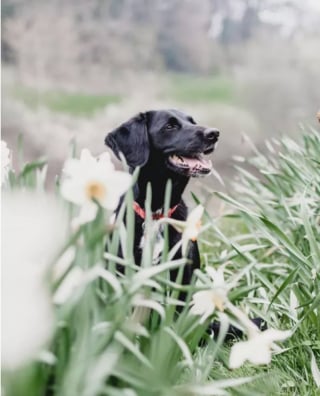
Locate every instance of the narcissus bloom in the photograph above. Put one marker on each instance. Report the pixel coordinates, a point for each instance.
(5, 161)
(257, 349)
(33, 228)
(191, 227)
(89, 180)
(205, 302)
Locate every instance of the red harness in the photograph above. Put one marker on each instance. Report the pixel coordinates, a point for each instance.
(155, 216)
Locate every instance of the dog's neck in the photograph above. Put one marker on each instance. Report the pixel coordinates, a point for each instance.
(157, 175)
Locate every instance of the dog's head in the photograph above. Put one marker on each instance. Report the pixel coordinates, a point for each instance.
(172, 134)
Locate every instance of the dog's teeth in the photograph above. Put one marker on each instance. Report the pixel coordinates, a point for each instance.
(175, 158)
(180, 159)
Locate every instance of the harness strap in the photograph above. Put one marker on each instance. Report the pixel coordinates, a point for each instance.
(155, 216)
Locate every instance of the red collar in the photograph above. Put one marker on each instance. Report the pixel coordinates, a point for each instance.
(155, 216)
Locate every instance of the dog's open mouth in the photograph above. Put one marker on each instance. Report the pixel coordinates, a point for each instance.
(195, 165)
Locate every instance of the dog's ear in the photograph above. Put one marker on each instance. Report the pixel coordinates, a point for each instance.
(131, 139)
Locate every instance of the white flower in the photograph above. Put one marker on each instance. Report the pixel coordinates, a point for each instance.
(205, 302)
(192, 227)
(89, 179)
(5, 162)
(257, 349)
(32, 232)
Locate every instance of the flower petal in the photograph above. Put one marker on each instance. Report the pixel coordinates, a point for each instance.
(238, 354)
(88, 178)
(217, 276)
(73, 191)
(5, 161)
(272, 335)
(87, 213)
(195, 215)
(117, 183)
(105, 161)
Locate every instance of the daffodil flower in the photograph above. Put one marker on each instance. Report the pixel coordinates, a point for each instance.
(89, 180)
(5, 162)
(192, 227)
(33, 233)
(258, 349)
(205, 302)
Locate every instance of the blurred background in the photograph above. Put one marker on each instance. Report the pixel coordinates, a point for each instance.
(78, 68)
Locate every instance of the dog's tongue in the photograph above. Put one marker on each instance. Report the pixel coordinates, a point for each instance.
(199, 162)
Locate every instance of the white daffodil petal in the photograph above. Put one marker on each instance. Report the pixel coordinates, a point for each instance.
(259, 354)
(73, 192)
(238, 354)
(196, 214)
(33, 226)
(87, 213)
(211, 272)
(217, 276)
(257, 349)
(205, 302)
(117, 184)
(72, 167)
(190, 233)
(272, 335)
(5, 162)
(86, 157)
(105, 161)
(88, 179)
(5, 155)
(192, 227)
(250, 350)
(202, 303)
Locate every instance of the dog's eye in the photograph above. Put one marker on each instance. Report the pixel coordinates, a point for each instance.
(171, 125)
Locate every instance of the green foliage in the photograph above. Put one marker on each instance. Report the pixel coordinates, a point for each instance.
(195, 89)
(76, 104)
(119, 334)
(275, 223)
(179, 87)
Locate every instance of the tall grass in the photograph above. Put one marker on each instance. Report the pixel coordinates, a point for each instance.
(120, 335)
(272, 225)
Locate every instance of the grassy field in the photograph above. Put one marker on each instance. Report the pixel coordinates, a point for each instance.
(117, 336)
(75, 104)
(276, 228)
(180, 88)
(195, 89)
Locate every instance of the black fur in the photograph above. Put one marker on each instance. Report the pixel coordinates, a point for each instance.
(146, 141)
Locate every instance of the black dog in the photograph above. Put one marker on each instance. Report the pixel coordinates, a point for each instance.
(166, 145)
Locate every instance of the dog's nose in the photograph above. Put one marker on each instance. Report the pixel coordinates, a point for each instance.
(211, 134)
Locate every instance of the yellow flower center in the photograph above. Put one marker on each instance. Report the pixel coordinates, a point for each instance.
(218, 301)
(95, 190)
(197, 228)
